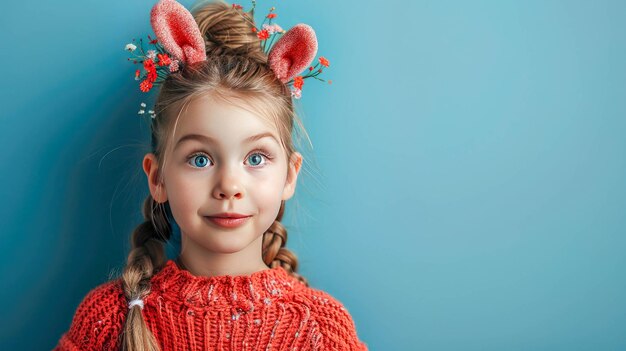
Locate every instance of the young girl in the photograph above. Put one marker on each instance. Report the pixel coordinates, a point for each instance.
(222, 166)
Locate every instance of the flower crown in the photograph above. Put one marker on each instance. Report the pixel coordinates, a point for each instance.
(179, 42)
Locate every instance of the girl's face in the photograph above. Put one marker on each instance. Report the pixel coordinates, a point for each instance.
(223, 158)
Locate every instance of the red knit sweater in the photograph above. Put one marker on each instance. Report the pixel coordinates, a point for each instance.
(266, 310)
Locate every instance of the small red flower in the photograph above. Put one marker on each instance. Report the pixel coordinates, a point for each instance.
(238, 7)
(271, 15)
(137, 74)
(311, 68)
(145, 86)
(148, 64)
(264, 34)
(253, 29)
(152, 41)
(164, 60)
(152, 75)
(298, 82)
(324, 61)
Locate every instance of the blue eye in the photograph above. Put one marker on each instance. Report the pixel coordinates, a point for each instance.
(200, 160)
(200, 157)
(257, 158)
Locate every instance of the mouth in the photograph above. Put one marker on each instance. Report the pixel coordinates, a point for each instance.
(228, 222)
(228, 215)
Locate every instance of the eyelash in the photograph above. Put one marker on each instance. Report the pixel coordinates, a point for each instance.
(261, 152)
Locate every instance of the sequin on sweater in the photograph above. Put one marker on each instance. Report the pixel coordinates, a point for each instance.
(267, 310)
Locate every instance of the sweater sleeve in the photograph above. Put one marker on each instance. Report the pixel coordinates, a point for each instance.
(337, 326)
(98, 320)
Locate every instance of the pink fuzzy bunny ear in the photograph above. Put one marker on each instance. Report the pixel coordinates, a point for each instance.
(177, 31)
(293, 52)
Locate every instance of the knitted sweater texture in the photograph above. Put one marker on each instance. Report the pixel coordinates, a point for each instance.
(267, 310)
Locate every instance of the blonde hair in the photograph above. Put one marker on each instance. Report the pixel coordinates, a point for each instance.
(236, 70)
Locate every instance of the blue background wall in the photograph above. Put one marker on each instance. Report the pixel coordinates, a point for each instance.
(465, 191)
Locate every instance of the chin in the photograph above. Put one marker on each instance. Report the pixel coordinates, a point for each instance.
(227, 242)
(228, 246)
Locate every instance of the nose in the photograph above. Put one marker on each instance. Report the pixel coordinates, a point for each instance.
(228, 185)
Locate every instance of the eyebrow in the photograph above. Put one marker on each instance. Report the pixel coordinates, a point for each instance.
(208, 140)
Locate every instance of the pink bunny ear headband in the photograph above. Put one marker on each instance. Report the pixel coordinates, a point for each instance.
(179, 42)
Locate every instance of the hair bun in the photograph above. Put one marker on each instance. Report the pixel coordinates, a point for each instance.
(227, 30)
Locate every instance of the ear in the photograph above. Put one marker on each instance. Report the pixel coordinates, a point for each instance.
(292, 175)
(157, 189)
(293, 52)
(177, 31)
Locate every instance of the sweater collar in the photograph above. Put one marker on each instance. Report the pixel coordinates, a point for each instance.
(241, 291)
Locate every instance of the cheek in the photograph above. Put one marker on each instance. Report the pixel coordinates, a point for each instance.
(186, 196)
(266, 191)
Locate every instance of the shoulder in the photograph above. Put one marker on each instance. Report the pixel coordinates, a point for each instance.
(98, 319)
(336, 325)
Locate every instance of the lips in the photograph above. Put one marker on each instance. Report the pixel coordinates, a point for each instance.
(228, 215)
(228, 222)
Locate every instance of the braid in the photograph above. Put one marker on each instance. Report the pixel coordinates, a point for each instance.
(146, 257)
(274, 251)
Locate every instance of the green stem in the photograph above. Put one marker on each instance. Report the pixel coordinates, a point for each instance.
(161, 74)
(141, 47)
(310, 74)
(273, 38)
(160, 48)
(138, 56)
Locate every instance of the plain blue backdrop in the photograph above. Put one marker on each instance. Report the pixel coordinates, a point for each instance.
(465, 189)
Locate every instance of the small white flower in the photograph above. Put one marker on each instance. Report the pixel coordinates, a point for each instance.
(143, 104)
(151, 112)
(272, 28)
(297, 93)
(269, 28)
(151, 54)
(131, 47)
(141, 112)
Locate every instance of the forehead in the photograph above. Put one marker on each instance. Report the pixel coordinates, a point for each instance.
(222, 120)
